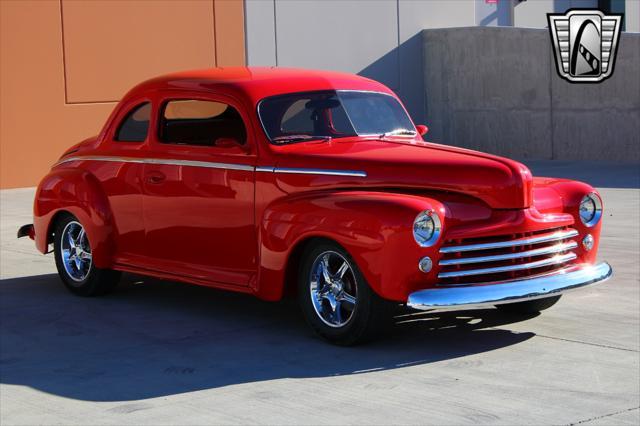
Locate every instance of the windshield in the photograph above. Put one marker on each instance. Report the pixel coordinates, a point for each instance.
(305, 116)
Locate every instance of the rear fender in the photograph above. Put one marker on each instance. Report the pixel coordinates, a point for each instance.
(77, 192)
(374, 227)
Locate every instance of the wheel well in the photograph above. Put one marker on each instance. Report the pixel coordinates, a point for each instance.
(52, 225)
(293, 263)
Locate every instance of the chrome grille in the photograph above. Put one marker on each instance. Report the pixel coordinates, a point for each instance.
(506, 257)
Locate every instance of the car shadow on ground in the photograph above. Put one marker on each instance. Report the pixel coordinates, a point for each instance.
(155, 338)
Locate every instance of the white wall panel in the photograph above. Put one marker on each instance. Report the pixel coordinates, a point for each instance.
(260, 32)
(632, 15)
(351, 35)
(533, 13)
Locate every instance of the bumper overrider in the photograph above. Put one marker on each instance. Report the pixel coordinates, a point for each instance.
(484, 295)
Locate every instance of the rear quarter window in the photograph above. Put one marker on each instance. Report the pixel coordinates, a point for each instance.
(135, 126)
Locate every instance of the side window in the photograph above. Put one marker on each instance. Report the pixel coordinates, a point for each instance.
(135, 126)
(201, 123)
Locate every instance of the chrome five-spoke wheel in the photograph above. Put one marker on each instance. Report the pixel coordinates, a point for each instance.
(75, 260)
(336, 299)
(333, 289)
(76, 252)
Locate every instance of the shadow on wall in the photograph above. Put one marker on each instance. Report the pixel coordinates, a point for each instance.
(164, 338)
(408, 59)
(496, 89)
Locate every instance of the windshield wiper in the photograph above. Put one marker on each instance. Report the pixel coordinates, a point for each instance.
(399, 132)
(298, 138)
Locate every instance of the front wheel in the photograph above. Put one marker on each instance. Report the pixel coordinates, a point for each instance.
(74, 260)
(335, 298)
(530, 306)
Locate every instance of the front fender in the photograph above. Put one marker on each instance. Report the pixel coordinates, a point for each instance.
(374, 227)
(564, 195)
(77, 192)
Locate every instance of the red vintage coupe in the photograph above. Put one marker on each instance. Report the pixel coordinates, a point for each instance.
(276, 181)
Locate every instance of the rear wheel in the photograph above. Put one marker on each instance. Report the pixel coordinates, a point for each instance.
(74, 260)
(335, 298)
(530, 306)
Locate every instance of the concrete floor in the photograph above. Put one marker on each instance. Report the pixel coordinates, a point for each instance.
(166, 353)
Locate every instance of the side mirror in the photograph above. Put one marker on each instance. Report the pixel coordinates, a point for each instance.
(422, 129)
(227, 143)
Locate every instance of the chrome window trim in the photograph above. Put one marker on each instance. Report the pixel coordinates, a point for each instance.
(214, 165)
(557, 248)
(555, 236)
(537, 264)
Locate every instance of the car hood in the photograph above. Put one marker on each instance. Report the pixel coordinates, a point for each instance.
(499, 182)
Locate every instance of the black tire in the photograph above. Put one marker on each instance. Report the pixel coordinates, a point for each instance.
(530, 306)
(97, 281)
(371, 314)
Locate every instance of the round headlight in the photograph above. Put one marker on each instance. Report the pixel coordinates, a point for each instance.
(426, 228)
(590, 209)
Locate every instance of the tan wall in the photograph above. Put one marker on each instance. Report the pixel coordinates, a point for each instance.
(65, 63)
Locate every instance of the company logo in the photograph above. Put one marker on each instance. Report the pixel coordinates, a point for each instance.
(585, 44)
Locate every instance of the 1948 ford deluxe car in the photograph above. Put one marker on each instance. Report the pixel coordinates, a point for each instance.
(317, 184)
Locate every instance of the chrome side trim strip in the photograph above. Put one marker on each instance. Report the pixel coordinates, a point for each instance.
(555, 236)
(171, 162)
(265, 169)
(555, 260)
(205, 164)
(557, 248)
(213, 165)
(100, 158)
(481, 296)
(329, 172)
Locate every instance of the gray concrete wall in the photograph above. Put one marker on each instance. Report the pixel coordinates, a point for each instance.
(497, 90)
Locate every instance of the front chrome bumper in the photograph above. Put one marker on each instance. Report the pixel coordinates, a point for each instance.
(478, 296)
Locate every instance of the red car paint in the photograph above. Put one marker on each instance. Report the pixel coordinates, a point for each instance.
(243, 229)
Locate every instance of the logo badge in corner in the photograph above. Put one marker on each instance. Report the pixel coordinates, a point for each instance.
(585, 44)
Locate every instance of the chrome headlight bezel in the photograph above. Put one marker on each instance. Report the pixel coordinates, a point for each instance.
(428, 238)
(596, 212)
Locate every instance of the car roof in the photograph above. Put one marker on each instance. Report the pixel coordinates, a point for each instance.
(256, 83)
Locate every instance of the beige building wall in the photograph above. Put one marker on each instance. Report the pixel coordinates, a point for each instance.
(65, 63)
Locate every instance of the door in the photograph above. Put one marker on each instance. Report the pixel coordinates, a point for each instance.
(198, 192)
(120, 178)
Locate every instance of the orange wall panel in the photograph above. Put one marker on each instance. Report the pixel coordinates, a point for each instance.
(229, 27)
(107, 48)
(35, 124)
(111, 46)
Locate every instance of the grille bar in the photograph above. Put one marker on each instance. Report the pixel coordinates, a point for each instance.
(557, 248)
(555, 260)
(555, 236)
